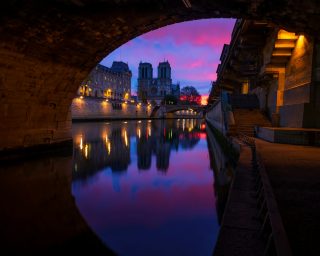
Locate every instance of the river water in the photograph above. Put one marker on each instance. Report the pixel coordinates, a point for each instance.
(146, 187)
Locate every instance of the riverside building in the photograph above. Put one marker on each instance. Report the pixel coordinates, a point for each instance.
(111, 83)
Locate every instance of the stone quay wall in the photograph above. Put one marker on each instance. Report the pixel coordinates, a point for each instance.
(98, 108)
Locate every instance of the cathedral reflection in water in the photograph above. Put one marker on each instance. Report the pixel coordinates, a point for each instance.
(97, 147)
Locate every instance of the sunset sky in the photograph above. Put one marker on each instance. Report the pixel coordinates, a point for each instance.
(192, 48)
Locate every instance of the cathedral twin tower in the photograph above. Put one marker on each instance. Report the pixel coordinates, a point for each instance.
(156, 89)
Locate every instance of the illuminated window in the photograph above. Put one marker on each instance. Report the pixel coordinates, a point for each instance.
(108, 93)
(245, 87)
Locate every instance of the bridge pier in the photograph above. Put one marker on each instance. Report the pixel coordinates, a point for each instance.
(35, 100)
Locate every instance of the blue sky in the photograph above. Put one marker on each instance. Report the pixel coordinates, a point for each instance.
(193, 49)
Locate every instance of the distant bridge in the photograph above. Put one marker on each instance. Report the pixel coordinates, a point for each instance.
(163, 110)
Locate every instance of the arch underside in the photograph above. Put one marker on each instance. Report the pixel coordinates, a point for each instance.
(48, 47)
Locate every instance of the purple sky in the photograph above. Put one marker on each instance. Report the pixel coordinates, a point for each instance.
(193, 49)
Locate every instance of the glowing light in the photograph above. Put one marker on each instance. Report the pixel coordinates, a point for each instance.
(81, 97)
(203, 135)
(86, 151)
(282, 34)
(204, 100)
(126, 138)
(109, 93)
(300, 45)
(149, 131)
(245, 87)
(81, 143)
(139, 133)
(109, 148)
(107, 139)
(139, 122)
(285, 44)
(125, 122)
(149, 121)
(107, 100)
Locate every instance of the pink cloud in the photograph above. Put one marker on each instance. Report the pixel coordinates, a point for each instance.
(192, 48)
(197, 63)
(210, 32)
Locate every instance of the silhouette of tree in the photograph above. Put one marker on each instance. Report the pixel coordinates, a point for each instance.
(190, 95)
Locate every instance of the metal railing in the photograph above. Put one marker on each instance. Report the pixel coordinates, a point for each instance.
(272, 231)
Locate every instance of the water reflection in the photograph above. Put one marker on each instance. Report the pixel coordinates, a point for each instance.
(146, 187)
(223, 173)
(108, 145)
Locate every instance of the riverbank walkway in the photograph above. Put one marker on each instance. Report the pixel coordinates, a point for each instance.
(294, 173)
(294, 176)
(239, 233)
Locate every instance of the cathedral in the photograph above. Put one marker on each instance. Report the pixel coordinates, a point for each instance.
(156, 89)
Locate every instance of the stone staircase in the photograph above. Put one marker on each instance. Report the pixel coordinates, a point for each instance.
(246, 113)
(247, 119)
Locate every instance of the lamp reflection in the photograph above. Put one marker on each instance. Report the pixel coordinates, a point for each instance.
(81, 143)
(152, 170)
(108, 146)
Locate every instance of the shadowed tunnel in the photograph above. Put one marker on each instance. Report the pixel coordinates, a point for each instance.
(48, 47)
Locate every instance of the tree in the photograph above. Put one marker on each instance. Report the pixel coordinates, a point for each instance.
(190, 95)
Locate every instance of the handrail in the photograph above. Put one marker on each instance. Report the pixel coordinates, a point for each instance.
(272, 226)
(278, 232)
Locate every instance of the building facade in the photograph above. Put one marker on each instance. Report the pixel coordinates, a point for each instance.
(281, 68)
(156, 89)
(111, 83)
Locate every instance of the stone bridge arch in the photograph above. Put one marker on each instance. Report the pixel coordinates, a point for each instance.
(48, 47)
(161, 111)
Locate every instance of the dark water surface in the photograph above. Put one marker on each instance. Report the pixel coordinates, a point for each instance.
(146, 187)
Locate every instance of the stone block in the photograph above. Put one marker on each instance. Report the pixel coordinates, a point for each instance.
(297, 95)
(292, 115)
(296, 136)
(265, 134)
(299, 116)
